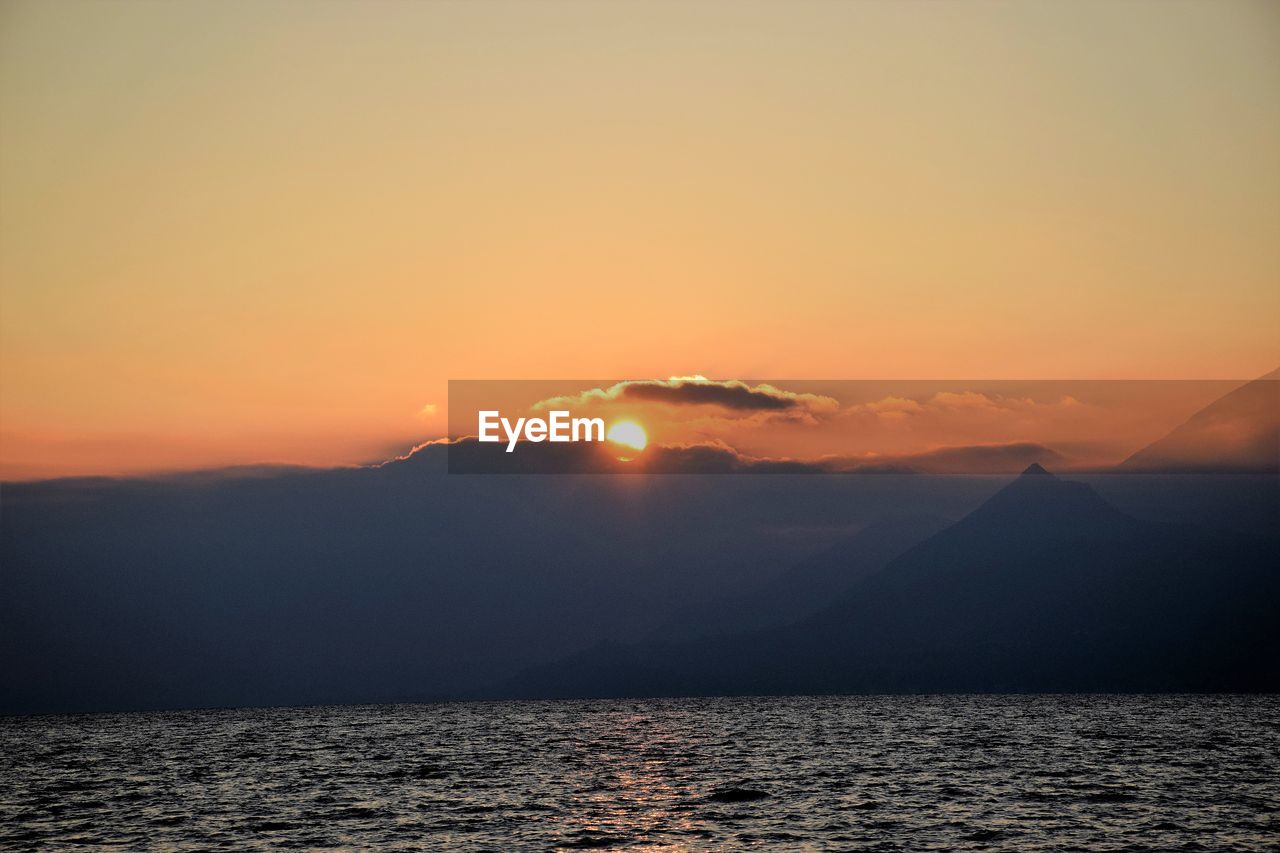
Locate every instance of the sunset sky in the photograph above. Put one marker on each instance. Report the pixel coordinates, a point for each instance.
(240, 232)
(982, 426)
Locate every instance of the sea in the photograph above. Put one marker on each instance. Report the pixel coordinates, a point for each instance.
(806, 773)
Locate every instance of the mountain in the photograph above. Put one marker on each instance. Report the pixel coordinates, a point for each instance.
(1237, 433)
(403, 582)
(1044, 587)
(806, 587)
(391, 582)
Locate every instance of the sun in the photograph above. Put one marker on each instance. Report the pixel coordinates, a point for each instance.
(631, 436)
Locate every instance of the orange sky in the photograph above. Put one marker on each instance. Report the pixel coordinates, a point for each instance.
(272, 231)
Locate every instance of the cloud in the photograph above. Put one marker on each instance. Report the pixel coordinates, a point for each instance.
(719, 458)
(468, 456)
(420, 450)
(728, 395)
(964, 400)
(1003, 458)
(945, 403)
(976, 400)
(894, 408)
(733, 397)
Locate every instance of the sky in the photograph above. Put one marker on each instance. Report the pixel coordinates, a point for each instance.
(243, 232)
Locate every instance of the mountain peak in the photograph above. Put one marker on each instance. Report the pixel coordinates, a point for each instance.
(1040, 501)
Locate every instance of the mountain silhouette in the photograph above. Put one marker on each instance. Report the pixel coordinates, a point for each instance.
(391, 582)
(1239, 432)
(806, 587)
(257, 587)
(1044, 587)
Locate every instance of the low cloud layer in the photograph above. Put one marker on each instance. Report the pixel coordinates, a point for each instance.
(468, 456)
(954, 403)
(1007, 458)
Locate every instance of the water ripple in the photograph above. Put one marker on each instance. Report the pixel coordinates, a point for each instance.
(913, 773)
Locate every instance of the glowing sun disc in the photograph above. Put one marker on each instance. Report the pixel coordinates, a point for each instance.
(628, 434)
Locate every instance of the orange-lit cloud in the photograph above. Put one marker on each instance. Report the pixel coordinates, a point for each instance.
(944, 402)
(732, 398)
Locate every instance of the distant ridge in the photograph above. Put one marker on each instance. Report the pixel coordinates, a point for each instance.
(1238, 433)
(1045, 587)
(806, 587)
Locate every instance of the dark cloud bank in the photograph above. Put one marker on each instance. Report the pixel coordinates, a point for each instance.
(467, 456)
(732, 395)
